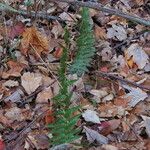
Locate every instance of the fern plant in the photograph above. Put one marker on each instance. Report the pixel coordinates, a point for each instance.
(85, 45)
(63, 130)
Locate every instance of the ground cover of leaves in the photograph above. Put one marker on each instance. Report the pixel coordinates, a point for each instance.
(115, 112)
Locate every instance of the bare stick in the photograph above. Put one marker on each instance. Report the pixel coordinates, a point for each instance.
(113, 77)
(100, 7)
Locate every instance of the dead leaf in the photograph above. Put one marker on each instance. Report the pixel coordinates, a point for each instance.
(105, 51)
(32, 38)
(45, 95)
(57, 30)
(16, 30)
(108, 126)
(49, 117)
(10, 83)
(14, 113)
(93, 135)
(15, 69)
(100, 33)
(31, 81)
(15, 97)
(147, 124)
(91, 116)
(135, 95)
(138, 54)
(117, 31)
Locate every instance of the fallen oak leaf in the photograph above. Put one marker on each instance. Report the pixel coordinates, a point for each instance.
(31, 36)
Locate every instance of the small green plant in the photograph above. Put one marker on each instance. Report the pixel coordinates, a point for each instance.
(64, 129)
(85, 45)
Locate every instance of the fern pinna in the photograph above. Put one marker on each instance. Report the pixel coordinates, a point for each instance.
(85, 45)
(63, 130)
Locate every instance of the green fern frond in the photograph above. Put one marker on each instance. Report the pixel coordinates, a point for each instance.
(63, 129)
(85, 45)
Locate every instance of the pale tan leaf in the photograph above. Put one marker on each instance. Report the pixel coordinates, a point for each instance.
(31, 81)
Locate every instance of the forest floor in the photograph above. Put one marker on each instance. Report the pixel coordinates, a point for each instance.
(114, 93)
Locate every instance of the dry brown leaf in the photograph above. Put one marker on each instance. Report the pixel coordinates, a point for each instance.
(35, 39)
(111, 110)
(31, 81)
(100, 33)
(44, 96)
(15, 69)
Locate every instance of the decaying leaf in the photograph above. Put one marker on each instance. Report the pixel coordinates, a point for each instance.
(33, 40)
(135, 95)
(117, 31)
(91, 116)
(15, 69)
(31, 81)
(93, 135)
(45, 95)
(10, 83)
(138, 55)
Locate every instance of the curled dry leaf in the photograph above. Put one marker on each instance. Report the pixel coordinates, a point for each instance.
(31, 81)
(32, 38)
(15, 69)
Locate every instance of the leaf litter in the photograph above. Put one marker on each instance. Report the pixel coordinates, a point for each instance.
(112, 111)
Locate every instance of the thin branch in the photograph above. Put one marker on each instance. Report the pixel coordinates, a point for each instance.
(114, 77)
(100, 7)
(7, 8)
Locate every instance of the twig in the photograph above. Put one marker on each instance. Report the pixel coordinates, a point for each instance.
(4, 7)
(24, 130)
(45, 64)
(100, 7)
(137, 35)
(113, 77)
